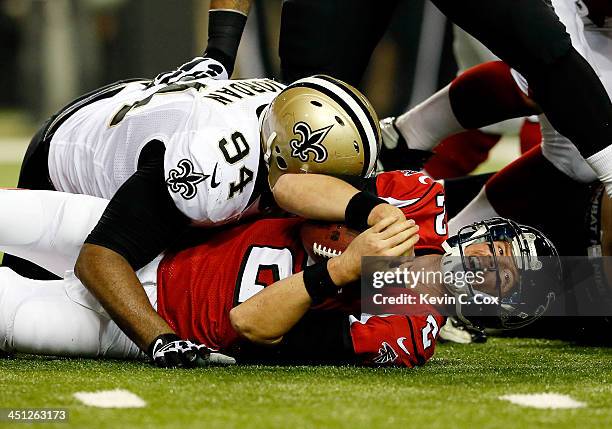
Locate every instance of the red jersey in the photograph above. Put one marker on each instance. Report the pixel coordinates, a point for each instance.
(420, 198)
(197, 287)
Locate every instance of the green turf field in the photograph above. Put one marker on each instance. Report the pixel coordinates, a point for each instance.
(458, 388)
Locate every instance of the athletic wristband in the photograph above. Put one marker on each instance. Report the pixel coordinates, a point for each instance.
(318, 282)
(225, 29)
(358, 209)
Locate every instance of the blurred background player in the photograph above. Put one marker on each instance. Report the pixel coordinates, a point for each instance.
(458, 155)
(469, 102)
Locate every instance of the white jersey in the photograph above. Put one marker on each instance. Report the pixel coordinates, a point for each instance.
(209, 128)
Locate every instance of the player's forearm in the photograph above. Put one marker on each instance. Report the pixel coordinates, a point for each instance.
(111, 279)
(268, 315)
(241, 6)
(313, 196)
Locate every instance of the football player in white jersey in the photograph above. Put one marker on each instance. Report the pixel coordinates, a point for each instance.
(191, 148)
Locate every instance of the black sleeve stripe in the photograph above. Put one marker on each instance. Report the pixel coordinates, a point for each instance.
(420, 359)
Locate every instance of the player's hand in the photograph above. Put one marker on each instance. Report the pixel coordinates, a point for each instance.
(383, 211)
(169, 351)
(388, 237)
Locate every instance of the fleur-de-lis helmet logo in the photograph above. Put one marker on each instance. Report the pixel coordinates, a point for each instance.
(183, 179)
(309, 142)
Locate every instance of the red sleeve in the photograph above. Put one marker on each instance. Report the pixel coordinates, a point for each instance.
(396, 340)
(420, 198)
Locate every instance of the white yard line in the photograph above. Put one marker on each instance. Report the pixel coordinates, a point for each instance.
(544, 400)
(117, 398)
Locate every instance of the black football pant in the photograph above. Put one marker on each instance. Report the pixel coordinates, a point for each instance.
(334, 37)
(337, 37)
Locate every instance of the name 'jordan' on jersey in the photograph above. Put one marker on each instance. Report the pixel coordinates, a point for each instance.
(208, 124)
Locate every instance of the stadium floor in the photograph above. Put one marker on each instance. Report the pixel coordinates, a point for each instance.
(459, 388)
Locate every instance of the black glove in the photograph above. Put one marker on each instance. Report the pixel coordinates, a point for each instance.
(169, 351)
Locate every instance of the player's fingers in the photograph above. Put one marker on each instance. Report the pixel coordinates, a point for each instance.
(189, 359)
(382, 224)
(160, 363)
(395, 228)
(403, 248)
(169, 360)
(402, 236)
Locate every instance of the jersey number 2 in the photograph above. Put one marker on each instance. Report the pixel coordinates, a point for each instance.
(430, 328)
(440, 221)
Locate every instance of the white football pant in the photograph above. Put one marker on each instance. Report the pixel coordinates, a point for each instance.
(56, 317)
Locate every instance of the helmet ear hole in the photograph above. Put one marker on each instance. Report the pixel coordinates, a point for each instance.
(277, 149)
(280, 161)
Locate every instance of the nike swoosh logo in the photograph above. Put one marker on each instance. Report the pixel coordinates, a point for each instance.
(213, 181)
(400, 343)
(423, 179)
(158, 344)
(400, 203)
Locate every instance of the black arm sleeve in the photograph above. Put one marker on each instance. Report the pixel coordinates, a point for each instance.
(225, 29)
(141, 219)
(362, 183)
(319, 337)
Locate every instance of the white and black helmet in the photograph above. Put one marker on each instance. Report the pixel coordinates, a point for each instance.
(535, 258)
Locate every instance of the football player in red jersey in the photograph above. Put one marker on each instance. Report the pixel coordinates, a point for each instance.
(215, 293)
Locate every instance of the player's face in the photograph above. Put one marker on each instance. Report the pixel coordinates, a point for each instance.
(480, 256)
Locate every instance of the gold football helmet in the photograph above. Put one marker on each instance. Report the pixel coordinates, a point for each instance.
(320, 125)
